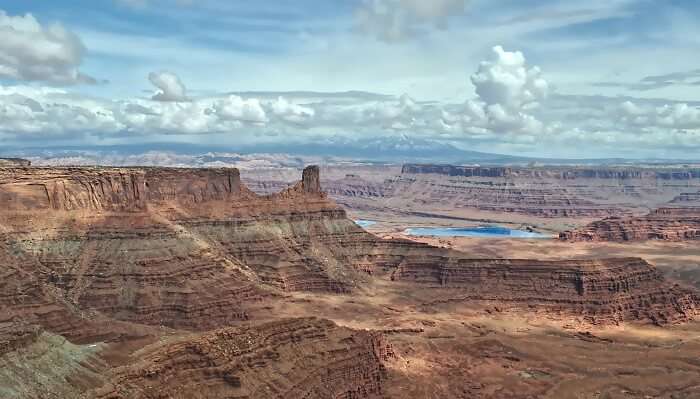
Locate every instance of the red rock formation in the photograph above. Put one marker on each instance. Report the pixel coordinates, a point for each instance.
(602, 291)
(550, 192)
(569, 173)
(16, 335)
(670, 224)
(184, 248)
(292, 358)
(195, 249)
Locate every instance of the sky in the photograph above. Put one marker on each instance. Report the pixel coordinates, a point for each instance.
(552, 78)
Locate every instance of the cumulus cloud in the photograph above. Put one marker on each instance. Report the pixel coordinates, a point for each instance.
(394, 114)
(507, 92)
(393, 20)
(32, 52)
(170, 85)
(679, 116)
(513, 110)
(291, 112)
(236, 108)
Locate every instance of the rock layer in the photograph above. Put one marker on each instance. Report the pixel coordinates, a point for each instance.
(196, 249)
(293, 358)
(602, 291)
(668, 224)
(615, 173)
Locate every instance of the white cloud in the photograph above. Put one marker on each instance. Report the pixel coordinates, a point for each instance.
(507, 92)
(32, 52)
(291, 112)
(171, 88)
(679, 116)
(393, 20)
(235, 108)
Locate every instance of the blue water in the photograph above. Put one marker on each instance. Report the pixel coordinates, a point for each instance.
(365, 223)
(482, 231)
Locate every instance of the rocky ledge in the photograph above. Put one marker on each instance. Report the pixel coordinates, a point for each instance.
(668, 224)
(292, 358)
(195, 249)
(601, 291)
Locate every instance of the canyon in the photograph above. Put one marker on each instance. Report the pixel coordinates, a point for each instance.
(175, 282)
(555, 198)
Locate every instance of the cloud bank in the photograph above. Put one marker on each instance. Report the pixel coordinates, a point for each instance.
(30, 51)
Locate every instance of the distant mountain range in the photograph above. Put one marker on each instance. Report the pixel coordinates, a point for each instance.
(395, 149)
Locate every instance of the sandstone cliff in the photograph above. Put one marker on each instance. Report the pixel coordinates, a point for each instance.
(670, 224)
(291, 358)
(617, 173)
(195, 249)
(187, 277)
(545, 192)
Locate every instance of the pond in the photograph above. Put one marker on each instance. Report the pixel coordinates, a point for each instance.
(365, 223)
(481, 231)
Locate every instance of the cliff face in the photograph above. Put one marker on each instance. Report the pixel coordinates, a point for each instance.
(183, 248)
(186, 277)
(545, 192)
(293, 358)
(451, 170)
(616, 173)
(195, 249)
(602, 291)
(669, 224)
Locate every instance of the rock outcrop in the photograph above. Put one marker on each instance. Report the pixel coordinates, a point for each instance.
(451, 170)
(196, 249)
(545, 192)
(601, 291)
(613, 173)
(291, 358)
(176, 283)
(37, 364)
(669, 224)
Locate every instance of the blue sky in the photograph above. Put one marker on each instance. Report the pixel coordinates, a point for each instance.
(547, 78)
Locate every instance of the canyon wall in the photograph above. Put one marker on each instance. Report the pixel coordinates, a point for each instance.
(543, 192)
(618, 173)
(668, 224)
(196, 249)
(291, 358)
(601, 291)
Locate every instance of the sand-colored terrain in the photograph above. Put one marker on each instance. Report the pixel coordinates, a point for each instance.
(162, 283)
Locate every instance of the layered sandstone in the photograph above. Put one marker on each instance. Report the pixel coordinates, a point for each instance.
(566, 173)
(290, 358)
(184, 248)
(196, 249)
(549, 192)
(41, 365)
(601, 291)
(669, 224)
